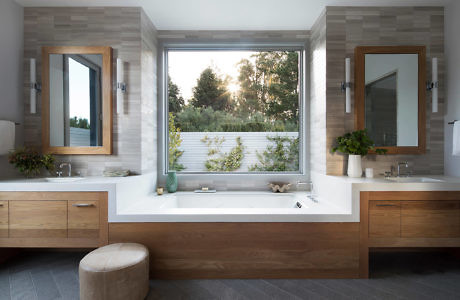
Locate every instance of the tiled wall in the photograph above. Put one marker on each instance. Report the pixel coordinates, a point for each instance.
(348, 27)
(132, 37)
(318, 95)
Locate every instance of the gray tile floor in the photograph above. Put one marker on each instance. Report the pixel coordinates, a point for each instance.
(54, 275)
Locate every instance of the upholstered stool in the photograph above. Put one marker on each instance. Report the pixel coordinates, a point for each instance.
(116, 271)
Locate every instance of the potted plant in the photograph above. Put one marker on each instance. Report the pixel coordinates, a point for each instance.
(29, 162)
(356, 144)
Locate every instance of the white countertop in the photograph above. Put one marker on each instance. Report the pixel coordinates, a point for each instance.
(339, 193)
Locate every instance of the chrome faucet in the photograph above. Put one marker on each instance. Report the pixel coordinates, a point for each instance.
(403, 163)
(69, 168)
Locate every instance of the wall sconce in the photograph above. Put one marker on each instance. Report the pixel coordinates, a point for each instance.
(346, 86)
(433, 85)
(121, 87)
(34, 87)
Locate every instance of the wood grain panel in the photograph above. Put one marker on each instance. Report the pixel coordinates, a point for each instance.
(384, 219)
(3, 218)
(246, 250)
(430, 219)
(83, 218)
(51, 195)
(37, 219)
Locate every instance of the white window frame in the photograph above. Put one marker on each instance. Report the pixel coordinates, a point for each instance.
(190, 177)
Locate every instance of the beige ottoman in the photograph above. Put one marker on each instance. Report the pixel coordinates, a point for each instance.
(116, 271)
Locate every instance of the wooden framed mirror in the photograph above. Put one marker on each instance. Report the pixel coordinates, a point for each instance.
(77, 100)
(390, 86)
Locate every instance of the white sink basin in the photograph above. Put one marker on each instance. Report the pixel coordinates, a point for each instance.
(63, 179)
(414, 179)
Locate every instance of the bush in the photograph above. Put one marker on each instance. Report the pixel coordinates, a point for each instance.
(174, 143)
(223, 162)
(282, 156)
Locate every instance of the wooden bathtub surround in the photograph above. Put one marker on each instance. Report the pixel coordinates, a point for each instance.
(406, 220)
(246, 250)
(53, 219)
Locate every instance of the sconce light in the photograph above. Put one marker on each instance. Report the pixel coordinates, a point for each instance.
(433, 85)
(346, 86)
(34, 87)
(121, 87)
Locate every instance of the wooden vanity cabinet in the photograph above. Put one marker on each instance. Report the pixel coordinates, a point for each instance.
(53, 219)
(3, 219)
(406, 220)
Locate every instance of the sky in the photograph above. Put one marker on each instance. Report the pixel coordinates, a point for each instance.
(78, 90)
(185, 67)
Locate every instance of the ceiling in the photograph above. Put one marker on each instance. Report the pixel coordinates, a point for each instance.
(233, 14)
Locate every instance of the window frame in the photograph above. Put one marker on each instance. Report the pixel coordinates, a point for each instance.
(163, 163)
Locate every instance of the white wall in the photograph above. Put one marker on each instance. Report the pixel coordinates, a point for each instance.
(452, 109)
(11, 55)
(378, 65)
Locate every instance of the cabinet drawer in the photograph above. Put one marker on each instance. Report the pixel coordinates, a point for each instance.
(3, 218)
(430, 219)
(384, 219)
(37, 219)
(83, 219)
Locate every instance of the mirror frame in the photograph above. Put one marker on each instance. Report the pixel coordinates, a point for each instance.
(107, 107)
(360, 54)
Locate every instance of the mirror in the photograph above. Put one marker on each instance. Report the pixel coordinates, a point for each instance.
(390, 97)
(77, 100)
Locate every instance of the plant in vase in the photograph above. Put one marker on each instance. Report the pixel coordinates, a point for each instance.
(30, 162)
(356, 144)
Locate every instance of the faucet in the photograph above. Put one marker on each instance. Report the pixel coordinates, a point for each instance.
(403, 163)
(69, 168)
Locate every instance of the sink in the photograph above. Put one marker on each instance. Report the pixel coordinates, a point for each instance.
(414, 179)
(63, 179)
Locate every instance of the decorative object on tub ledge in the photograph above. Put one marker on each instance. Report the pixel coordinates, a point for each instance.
(160, 191)
(279, 187)
(171, 182)
(369, 173)
(115, 173)
(205, 190)
(30, 162)
(356, 144)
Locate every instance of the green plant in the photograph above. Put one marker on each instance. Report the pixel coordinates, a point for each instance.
(79, 123)
(29, 162)
(173, 146)
(356, 143)
(282, 156)
(223, 162)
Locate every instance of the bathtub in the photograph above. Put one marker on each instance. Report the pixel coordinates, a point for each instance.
(230, 207)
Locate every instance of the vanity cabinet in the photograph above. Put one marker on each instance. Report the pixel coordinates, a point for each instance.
(3, 219)
(53, 219)
(408, 219)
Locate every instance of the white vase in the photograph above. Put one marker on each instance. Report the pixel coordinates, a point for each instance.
(354, 166)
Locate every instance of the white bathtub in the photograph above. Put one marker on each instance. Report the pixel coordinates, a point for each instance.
(229, 207)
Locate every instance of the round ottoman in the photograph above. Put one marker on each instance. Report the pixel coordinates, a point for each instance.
(116, 271)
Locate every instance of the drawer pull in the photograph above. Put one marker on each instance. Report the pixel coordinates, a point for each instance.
(385, 205)
(1, 204)
(83, 205)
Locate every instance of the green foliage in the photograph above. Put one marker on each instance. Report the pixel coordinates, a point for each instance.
(223, 162)
(211, 91)
(173, 146)
(356, 143)
(283, 155)
(192, 119)
(29, 162)
(270, 85)
(175, 100)
(79, 123)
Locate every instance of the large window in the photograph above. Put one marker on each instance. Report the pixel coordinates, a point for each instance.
(233, 110)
